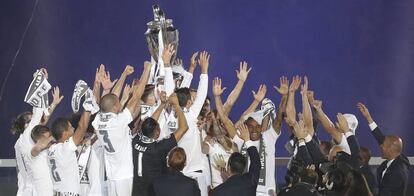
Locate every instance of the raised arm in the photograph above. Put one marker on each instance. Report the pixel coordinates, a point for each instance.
(202, 86)
(376, 132)
(283, 91)
(158, 111)
(56, 101)
(169, 79)
(326, 122)
(300, 133)
(126, 93)
(254, 168)
(100, 72)
(242, 76)
(306, 109)
(290, 107)
(138, 90)
(182, 122)
(193, 63)
(258, 97)
(120, 84)
(106, 82)
(342, 126)
(217, 91)
(42, 144)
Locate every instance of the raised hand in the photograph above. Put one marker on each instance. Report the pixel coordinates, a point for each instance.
(106, 82)
(284, 86)
(217, 90)
(300, 131)
(56, 96)
(178, 62)
(342, 124)
(129, 70)
(193, 62)
(311, 96)
(295, 83)
(127, 90)
(173, 100)
(243, 132)
(147, 65)
(305, 85)
(317, 104)
(365, 112)
(261, 93)
(167, 54)
(243, 71)
(204, 62)
(163, 97)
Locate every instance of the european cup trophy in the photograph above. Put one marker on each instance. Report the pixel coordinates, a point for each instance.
(169, 34)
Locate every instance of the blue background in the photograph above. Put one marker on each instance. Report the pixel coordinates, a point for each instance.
(351, 50)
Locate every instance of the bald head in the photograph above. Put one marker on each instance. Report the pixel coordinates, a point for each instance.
(110, 103)
(392, 146)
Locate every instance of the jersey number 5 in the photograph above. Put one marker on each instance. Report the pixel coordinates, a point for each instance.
(108, 144)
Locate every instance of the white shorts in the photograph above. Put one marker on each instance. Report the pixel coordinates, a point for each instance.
(120, 187)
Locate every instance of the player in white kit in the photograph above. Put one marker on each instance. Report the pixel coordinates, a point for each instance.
(113, 132)
(62, 157)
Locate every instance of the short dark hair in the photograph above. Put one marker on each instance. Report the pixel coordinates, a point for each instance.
(237, 163)
(38, 130)
(59, 126)
(149, 89)
(177, 159)
(365, 154)
(183, 95)
(328, 146)
(17, 124)
(149, 126)
(75, 118)
(107, 102)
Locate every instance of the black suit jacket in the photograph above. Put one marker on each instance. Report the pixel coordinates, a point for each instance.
(174, 183)
(242, 184)
(394, 181)
(369, 176)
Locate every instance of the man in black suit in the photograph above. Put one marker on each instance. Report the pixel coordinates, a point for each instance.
(392, 174)
(174, 182)
(238, 183)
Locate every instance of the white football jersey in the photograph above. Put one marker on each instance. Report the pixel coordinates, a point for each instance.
(42, 180)
(114, 134)
(64, 169)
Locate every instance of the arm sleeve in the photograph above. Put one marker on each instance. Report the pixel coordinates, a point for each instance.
(68, 147)
(36, 118)
(376, 132)
(314, 150)
(201, 95)
(125, 117)
(169, 81)
(303, 154)
(239, 142)
(254, 168)
(168, 143)
(187, 78)
(354, 147)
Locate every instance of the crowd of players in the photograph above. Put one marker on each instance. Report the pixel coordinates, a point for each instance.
(164, 138)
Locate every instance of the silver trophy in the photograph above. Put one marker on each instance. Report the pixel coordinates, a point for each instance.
(169, 33)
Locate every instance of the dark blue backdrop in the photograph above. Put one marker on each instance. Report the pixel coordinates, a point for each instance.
(352, 50)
